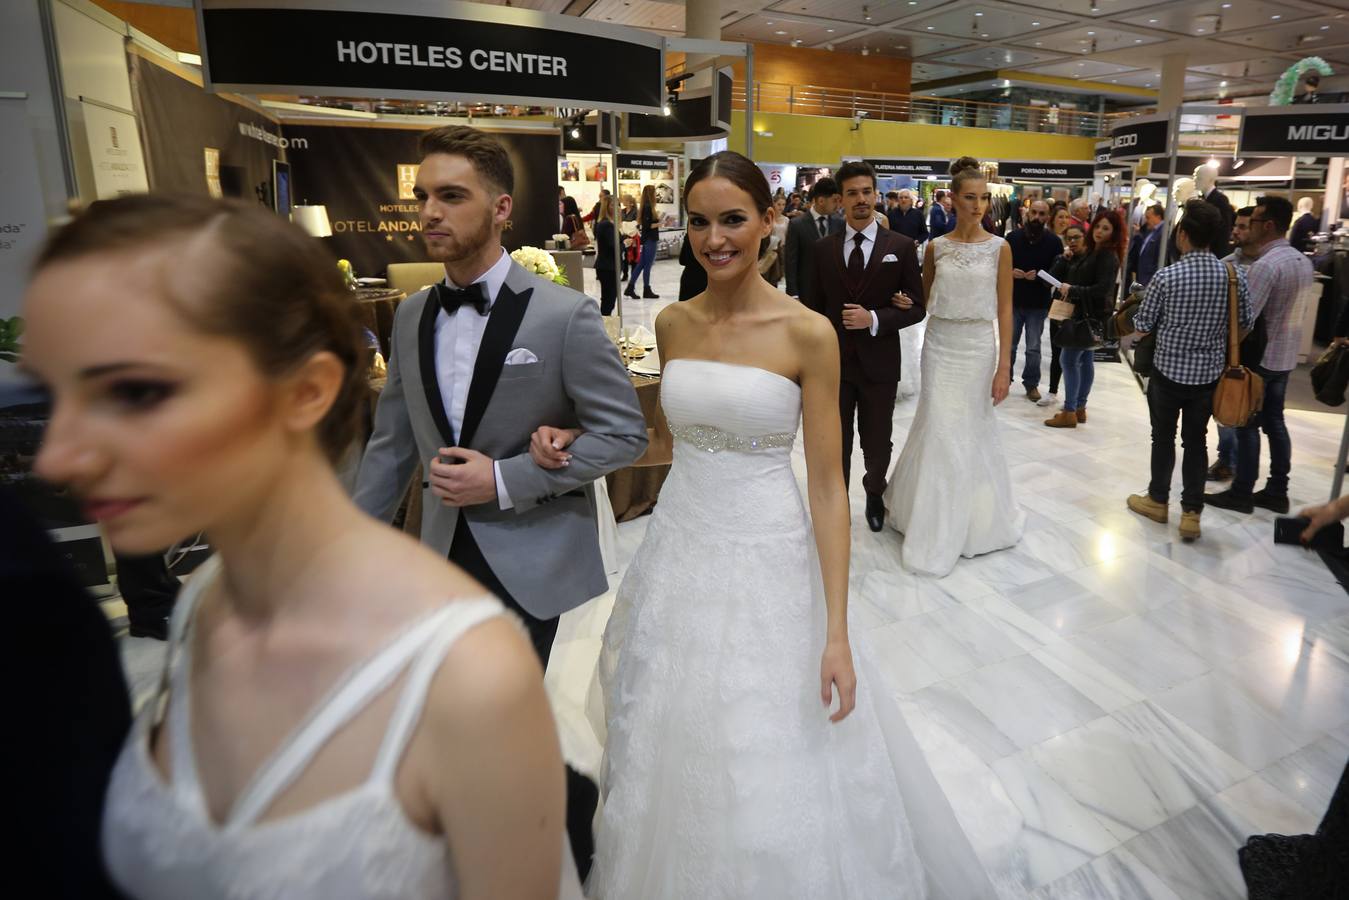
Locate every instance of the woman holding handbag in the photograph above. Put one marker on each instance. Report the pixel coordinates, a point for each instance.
(1088, 279)
(572, 226)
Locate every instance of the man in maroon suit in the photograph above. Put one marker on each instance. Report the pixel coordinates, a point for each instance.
(866, 281)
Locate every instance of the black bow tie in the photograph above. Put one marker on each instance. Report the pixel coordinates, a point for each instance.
(450, 299)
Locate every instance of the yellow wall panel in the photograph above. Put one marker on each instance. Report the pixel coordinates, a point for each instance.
(821, 140)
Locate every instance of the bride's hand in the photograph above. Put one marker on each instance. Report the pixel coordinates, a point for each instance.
(547, 447)
(1002, 385)
(836, 669)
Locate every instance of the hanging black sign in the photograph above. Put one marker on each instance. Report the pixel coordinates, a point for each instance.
(592, 137)
(650, 161)
(699, 114)
(1309, 130)
(1028, 170)
(465, 51)
(918, 168)
(1137, 138)
(1241, 168)
(1103, 155)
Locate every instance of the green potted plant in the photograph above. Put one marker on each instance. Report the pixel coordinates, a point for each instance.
(10, 332)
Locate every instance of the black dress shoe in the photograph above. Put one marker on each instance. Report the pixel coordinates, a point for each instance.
(631, 294)
(1272, 502)
(150, 628)
(649, 294)
(875, 512)
(1229, 500)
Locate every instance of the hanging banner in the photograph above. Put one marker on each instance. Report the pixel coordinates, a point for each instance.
(114, 151)
(648, 161)
(364, 177)
(1310, 130)
(1030, 170)
(918, 168)
(428, 50)
(23, 218)
(1134, 139)
(694, 116)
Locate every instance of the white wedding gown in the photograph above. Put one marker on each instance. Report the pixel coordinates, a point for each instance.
(950, 494)
(722, 776)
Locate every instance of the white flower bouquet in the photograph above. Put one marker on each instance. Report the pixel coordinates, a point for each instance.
(540, 263)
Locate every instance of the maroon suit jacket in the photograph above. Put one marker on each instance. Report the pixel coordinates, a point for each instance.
(863, 356)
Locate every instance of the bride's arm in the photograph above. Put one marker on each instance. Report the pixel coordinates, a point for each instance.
(1002, 376)
(659, 441)
(823, 438)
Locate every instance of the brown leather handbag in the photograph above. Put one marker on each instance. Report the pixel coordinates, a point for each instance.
(1240, 392)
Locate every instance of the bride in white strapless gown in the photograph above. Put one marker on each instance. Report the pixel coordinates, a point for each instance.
(950, 494)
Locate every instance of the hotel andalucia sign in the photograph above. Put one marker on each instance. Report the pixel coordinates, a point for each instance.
(428, 50)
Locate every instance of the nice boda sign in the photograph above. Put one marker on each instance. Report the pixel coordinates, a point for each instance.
(428, 50)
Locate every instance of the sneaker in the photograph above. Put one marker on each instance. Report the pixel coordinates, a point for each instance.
(1265, 500)
(1220, 472)
(1228, 500)
(1050, 399)
(1145, 506)
(1032, 393)
(1189, 526)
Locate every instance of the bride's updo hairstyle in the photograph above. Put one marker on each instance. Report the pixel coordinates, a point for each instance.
(740, 171)
(964, 169)
(238, 271)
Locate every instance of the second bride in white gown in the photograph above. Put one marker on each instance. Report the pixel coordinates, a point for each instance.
(950, 494)
(725, 774)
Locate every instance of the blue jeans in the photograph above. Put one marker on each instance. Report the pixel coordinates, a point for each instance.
(1227, 445)
(1270, 421)
(1079, 371)
(1033, 321)
(643, 266)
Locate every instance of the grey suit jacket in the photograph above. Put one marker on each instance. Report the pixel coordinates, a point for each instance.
(545, 550)
(798, 260)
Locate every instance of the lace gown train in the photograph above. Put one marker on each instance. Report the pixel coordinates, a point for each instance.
(723, 777)
(950, 494)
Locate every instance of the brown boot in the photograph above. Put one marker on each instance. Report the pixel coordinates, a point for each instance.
(1145, 506)
(1189, 526)
(1065, 418)
(1082, 416)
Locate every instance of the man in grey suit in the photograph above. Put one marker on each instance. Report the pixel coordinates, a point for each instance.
(478, 363)
(820, 220)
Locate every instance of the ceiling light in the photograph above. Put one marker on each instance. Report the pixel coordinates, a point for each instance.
(1227, 6)
(575, 133)
(1039, 43)
(1199, 31)
(930, 27)
(1222, 84)
(1325, 27)
(1036, 24)
(1138, 40)
(779, 32)
(1091, 34)
(665, 109)
(1150, 22)
(1277, 16)
(978, 14)
(829, 31)
(983, 35)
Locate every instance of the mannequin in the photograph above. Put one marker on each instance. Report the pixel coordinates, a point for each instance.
(1206, 183)
(1182, 191)
(1144, 192)
(1304, 226)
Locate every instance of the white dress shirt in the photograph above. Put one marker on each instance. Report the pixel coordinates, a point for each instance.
(458, 338)
(868, 244)
(821, 223)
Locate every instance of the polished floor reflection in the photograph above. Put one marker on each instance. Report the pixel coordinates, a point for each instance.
(1111, 712)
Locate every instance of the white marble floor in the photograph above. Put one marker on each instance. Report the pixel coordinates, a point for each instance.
(1111, 712)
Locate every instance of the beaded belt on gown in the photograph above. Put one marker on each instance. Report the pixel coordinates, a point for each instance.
(714, 440)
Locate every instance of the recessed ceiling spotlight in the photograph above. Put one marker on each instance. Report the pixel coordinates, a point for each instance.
(1199, 31)
(829, 31)
(1138, 40)
(1325, 27)
(930, 27)
(1039, 43)
(779, 32)
(978, 14)
(983, 35)
(1277, 16)
(1035, 24)
(1091, 34)
(1150, 22)
(1222, 84)
(1227, 6)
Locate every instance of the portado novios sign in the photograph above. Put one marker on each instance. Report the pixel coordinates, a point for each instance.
(429, 50)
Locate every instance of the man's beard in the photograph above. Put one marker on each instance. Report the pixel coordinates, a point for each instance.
(465, 245)
(1034, 229)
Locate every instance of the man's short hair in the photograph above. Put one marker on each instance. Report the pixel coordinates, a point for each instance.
(892, 195)
(1201, 223)
(1245, 211)
(825, 187)
(1278, 210)
(484, 152)
(855, 169)
(1157, 210)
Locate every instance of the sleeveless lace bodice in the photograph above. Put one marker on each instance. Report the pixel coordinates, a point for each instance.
(965, 286)
(160, 842)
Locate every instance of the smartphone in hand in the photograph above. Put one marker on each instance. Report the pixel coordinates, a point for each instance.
(1288, 529)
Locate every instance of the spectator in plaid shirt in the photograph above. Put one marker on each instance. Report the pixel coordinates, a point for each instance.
(1186, 305)
(1277, 279)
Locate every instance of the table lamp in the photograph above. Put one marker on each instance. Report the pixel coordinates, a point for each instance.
(313, 219)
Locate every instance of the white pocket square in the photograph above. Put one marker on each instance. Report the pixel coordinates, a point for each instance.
(889, 257)
(520, 356)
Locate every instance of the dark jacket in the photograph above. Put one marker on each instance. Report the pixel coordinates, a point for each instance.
(1037, 256)
(939, 221)
(797, 258)
(693, 279)
(649, 225)
(911, 224)
(1303, 229)
(1092, 280)
(863, 356)
(1144, 254)
(1223, 243)
(604, 246)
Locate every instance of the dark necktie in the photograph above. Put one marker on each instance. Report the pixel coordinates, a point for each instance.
(855, 261)
(824, 228)
(450, 299)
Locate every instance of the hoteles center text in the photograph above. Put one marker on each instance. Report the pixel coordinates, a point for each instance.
(371, 52)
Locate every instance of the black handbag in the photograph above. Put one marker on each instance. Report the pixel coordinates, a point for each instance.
(1145, 348)
(1330, 376)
